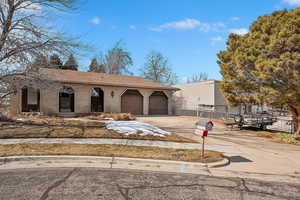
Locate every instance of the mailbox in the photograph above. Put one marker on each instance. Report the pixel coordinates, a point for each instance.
(204, 125)
(203, 133)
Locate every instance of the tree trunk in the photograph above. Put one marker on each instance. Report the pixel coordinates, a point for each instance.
(296, 118)
(297, 126)
(7, 24)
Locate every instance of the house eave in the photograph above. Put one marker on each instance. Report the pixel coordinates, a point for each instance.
(117, 85)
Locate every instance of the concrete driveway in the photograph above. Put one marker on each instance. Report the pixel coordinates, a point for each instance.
(251, 154)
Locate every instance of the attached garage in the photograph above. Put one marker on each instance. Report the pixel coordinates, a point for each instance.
(132, 102)
(158, 103)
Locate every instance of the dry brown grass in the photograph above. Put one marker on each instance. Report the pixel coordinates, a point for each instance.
(114, 116)
(280, 137)
(110, 150)
(56, 121)
(55, 127)
(31, 131)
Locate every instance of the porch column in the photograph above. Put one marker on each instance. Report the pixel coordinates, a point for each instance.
(170, 96)
(82, 99)
(146, 94)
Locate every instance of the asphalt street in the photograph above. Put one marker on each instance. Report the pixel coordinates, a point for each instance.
(98, 183)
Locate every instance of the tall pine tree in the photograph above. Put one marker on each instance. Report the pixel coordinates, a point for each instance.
(71, 64)
(55, 62)
(263, 66)
(96, 67)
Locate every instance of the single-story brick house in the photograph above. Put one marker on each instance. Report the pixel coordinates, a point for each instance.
(86, 92)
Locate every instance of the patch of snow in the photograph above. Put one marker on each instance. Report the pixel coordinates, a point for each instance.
(107, 118)
(133, 127)
(22, 120)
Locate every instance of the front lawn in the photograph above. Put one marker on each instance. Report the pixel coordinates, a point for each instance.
(71, 129)
(110, 150)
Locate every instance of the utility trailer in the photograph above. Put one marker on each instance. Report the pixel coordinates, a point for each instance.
(260, 121)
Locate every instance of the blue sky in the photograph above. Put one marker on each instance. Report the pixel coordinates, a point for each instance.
(189, 32)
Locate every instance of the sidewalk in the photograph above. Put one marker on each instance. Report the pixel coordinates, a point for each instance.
(150, 143)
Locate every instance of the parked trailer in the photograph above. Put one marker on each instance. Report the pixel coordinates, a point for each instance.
(255, 121)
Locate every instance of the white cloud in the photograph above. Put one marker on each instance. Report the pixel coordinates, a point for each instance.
(216, 39)
(132, 27)
(181, 25)
(205, 27)
(216, 27)
(292, 2)
(189, 24)
(235, 19)
(241, 31)
(95, 20)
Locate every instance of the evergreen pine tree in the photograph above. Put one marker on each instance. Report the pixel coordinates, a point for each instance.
(71, 64)
(55, 62)
(96, 67)
(262, 66)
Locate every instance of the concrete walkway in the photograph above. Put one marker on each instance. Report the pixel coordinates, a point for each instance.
(149, 143)
(162, 144)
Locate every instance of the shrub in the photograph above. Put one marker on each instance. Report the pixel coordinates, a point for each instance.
(4, 117)
(115, 116)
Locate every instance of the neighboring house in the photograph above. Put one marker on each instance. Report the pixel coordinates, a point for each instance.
(86, 92)
(201, 96)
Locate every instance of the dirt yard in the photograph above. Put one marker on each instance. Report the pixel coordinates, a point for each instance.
(249, 153)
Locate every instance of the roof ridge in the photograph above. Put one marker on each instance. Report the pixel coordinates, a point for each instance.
(95, 78)
(105, 74)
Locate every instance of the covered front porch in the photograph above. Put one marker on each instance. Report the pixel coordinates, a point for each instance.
(83, 99)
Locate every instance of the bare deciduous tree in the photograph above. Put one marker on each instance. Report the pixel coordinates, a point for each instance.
(117, 60)
(202, 76)
(25, 36)
(39, 61)
(157, 68)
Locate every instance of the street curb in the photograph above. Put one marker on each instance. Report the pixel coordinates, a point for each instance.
(112, 160)
(222, 163)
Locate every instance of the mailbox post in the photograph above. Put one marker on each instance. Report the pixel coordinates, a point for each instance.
(202, 129)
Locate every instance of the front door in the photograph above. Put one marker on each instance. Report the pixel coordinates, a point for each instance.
(66, 101)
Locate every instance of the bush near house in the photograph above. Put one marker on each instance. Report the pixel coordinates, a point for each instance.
(114, 116)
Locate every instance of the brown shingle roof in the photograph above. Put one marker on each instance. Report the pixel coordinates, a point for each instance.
(93, 78)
